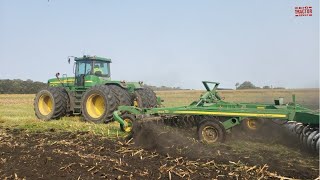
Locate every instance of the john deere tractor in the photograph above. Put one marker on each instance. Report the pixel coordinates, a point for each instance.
(91, 92)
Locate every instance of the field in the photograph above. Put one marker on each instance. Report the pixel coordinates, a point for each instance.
(306, 97)
(70, 148)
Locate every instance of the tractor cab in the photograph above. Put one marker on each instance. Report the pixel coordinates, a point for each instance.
(91, 68)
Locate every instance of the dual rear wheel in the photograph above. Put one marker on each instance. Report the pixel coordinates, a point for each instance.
(99, 102)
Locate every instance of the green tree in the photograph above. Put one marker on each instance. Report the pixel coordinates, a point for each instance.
(247, 85)
(237, 84)
(18, 86)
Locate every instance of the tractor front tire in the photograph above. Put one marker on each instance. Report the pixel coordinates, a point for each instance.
(98, 104)
(50, 103)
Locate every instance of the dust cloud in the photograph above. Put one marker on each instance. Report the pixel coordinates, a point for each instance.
(183, 141)
(168, 140)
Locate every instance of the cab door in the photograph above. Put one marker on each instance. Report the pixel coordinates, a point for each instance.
(83, 68)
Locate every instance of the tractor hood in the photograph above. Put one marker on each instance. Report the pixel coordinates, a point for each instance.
(91, 80)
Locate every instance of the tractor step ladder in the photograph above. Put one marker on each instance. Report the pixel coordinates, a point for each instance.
(77, 100)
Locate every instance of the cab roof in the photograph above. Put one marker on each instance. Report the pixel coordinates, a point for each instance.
(90, 58)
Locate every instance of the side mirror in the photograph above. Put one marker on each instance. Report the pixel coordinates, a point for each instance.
(69, 58)
(57, 75)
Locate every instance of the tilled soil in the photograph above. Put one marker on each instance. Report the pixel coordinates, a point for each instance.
(270, 146)
(64, 155)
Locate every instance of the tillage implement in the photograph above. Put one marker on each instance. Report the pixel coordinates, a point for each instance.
(90, 92)
(214, 118)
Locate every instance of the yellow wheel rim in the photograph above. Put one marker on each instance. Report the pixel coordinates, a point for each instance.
(135, 103)
(95, 106)
(128, 125)
(210, 134)
(45, 104)
(252, 124)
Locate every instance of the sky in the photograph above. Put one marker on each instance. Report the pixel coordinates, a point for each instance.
(171, 43)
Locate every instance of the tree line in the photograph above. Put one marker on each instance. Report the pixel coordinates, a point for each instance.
(162, 88)
(249, 85)
(18, 86)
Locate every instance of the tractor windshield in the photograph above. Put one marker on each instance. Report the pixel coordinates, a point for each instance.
(98, 68)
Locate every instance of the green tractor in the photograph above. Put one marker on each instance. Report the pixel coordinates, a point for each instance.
(91, 92)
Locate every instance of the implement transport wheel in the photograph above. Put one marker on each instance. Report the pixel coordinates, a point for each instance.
(211, 132)
(251, 124)
(98, 104)
(50, 103)
(122, 96)
(128, 120)
(145, 98)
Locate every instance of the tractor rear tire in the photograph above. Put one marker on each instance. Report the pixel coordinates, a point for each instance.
(98, 104)
(122, 96)
(50, 103)
(145, 98)
(211, 131)
(141, 99)
(152, 97)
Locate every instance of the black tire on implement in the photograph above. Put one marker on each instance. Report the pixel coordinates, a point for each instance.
(122, 96)
(211, 131)
(129, 121)
(252, 125)
(98, 104)
(50, 103)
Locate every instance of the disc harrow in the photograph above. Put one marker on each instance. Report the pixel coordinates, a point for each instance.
(214, 118)
(307, 135)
